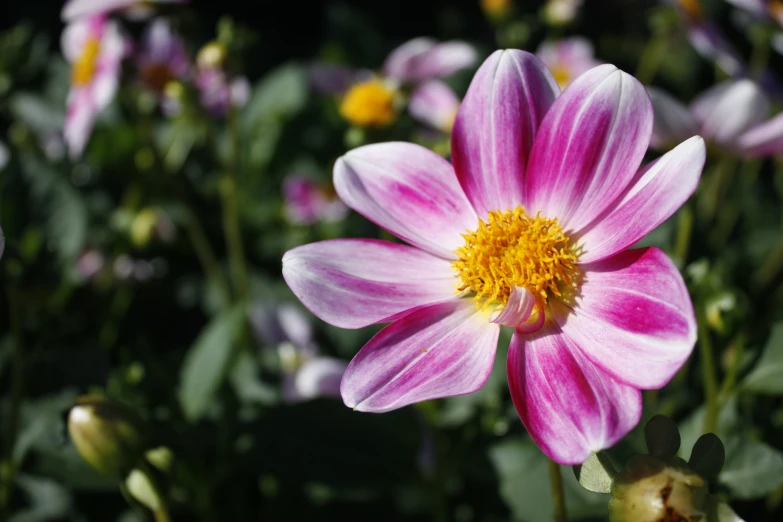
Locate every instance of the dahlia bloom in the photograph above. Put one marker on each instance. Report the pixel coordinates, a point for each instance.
(374, 100)
(306, 374)
(732, 115)
(529, 228)
(162, 57)
(74, 9)
(307, 202)
(95, 48)
(567, 58)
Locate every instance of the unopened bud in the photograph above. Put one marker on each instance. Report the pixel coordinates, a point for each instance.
(144, 487)
(107, 434)
(211, 56)
(658, 490)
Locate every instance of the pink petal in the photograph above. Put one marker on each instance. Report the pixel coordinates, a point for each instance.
(727, 110)
(408, 190)
(435, 104)
(496, 126)
(317, 377)
(439, 351)
(657, 191)
(518, 309)
(403, 61)
(444, 60)
(353, 283)
(569, 406)
(673, 120)
(633, 317)
(765, 139)
(79, 121)
(589, 146)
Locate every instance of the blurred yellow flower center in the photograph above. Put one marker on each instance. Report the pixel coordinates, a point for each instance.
(495, 7)
(369, 104)
(513, 249)
(776, 8)
(692, 8)
(84, 68)
(562, 75)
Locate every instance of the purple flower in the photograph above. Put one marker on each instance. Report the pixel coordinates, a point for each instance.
(528, 228)
(567, 58)
(732, 115)
(307, 202)
(162, 57)
(306, 375)
(218, 91)
(370, 100)
(95, 47)
(74, 9)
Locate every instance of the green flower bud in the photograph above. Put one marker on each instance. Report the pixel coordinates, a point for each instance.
(658, 490)
(107, 434)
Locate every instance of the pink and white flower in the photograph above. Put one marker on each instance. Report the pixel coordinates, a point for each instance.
(95, 48)
(307, 202)
(162, 57)
(733, 116)
(306, 374)
(74, 9)
(370, 99)
(529, 228)
(567, 58)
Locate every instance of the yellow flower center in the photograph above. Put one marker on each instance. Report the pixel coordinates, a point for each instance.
(513, 249)
(495, 8)
(84, 68)
(776, 8)
(369, 104)
(562, 75)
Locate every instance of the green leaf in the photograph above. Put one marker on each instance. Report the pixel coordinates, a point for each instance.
(279, 95)
(206, 363)
(63, 208)
(765, 377)
(596, 473)
(47, 499)
(752, 470)
(40, 115)
(522, 471)
(662, 436)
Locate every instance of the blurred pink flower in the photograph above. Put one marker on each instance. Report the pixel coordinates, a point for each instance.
(733, 116)
(370, 99)
(95, 48)
(528, 228)
(306, 375)
(162, 57)
(89, 263)
(218, 91)
(307, 202)
(74, 9)
(567, 59)
(435, 104)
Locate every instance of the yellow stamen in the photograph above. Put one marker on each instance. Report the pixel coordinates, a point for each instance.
(562, 75)
(513, 249)
(369, 104)
(84, 68)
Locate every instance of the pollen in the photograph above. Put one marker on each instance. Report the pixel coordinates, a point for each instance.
(562, 75)
(512, 249)
(369, 104)
(84, 68)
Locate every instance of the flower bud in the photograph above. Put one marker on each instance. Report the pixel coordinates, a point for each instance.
(658, 490)
(107, 434)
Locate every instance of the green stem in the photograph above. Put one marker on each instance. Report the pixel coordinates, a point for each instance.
(651, 59)
(558, 494)
(708, 375)
(718, 187)
(682, 242)
(729, 215)
(231, 224)
(771, 266)
(161, 514)
(8, 464)
(730, 380)
(205, 254)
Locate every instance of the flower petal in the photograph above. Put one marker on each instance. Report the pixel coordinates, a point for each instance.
(569, 406)
(518, 309)
(402, 62)
(317, 377)
(408, 190)
(727, 110)
(435, 104)
(439, 351)
(496, 125)
(673, 120)
(633, 317)
(589, 146)
(765, 139)
(657, 191)
(445, 59)
(353, 283)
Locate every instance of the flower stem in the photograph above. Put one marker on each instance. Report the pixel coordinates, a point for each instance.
(733, 371)
(708, 375)
(558, 495)
(651, 59)
(205, 254)
(8, 464)
(729, 215)
(684, 231)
